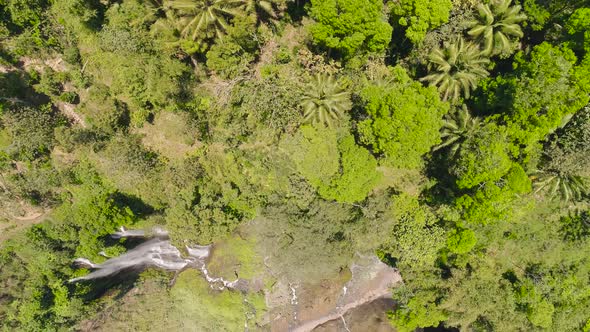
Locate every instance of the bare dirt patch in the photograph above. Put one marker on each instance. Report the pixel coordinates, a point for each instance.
(69, 111)
(19, 216)
(57, 64)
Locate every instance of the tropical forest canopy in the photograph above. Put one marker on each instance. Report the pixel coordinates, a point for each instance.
(450, 137)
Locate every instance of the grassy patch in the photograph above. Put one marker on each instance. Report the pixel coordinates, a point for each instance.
(171, 135)
(215, 311)
(236, 255)
(190, 305)
(5, 139)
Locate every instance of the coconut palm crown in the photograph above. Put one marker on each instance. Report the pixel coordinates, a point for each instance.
(495, 24)
(263, 9)
(456, 69)
(202, 19)
(456, 128)
(566, 187)
(324, 100)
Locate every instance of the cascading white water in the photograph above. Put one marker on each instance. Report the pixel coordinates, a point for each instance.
(157, 252)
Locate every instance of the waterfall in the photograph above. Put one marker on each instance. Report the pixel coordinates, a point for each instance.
(157, 251)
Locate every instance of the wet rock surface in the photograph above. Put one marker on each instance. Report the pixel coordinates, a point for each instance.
(370, 316)
(361, 302)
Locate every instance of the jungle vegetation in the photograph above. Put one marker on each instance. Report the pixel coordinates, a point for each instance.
(450, 137)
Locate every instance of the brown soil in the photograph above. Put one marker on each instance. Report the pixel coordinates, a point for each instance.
(70, 113)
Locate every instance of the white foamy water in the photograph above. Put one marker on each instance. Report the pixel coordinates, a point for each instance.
(157, 252)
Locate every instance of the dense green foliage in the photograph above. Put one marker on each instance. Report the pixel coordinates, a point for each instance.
(419, 16)
(350, 26)
(404, 120)
(450, 138)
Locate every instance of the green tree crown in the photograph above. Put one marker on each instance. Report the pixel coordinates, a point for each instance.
(350, 26)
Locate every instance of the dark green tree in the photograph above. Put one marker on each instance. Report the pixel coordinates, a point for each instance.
(483, 157)
(201, 19)
(457, 127)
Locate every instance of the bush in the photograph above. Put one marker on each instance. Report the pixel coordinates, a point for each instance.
(69, 97)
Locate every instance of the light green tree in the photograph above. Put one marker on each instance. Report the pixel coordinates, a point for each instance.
(416, 237)
(420, 16)
(547, 87)
(350, 26)
(461, 241)
(578, 27)
(404, 120)
(419, 312)
(483, 157)
(357, 174)
(496, 23)
(456, 69)
(338, 169)
(314, 151)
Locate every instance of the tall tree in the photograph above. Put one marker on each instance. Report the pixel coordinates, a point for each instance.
(457, 127)
(203, 19)
(264, 9)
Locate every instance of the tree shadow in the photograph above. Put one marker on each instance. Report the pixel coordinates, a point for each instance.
(139, 208)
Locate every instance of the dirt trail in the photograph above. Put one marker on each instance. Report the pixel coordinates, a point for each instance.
(15, 224)
(70, 113)
(376, 283)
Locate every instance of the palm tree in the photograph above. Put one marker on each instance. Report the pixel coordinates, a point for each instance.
(568, 187)
(495, 24)
(456, 128)
(203, 19)
(324, 100)
(457, 69)
(263, 8)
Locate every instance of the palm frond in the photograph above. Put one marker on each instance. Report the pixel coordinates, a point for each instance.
(325, 100)
(457, 69)
(491, 18)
